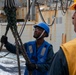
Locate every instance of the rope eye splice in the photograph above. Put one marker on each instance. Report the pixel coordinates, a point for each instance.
(10, 10)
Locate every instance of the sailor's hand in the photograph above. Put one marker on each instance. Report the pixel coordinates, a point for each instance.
(4, 39)
(31, 66)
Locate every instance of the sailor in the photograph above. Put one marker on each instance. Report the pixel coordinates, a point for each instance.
(64, 62)
(39, 51)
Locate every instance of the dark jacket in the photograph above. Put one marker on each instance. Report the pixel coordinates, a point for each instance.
(59, 64)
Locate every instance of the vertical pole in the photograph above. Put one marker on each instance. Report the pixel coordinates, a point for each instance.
(63, 38)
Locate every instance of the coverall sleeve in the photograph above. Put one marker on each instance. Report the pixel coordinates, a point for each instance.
(46, 65)
(59, 64)
(11, 48)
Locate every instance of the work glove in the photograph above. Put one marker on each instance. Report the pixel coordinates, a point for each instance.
(31, 66)
(4, 39)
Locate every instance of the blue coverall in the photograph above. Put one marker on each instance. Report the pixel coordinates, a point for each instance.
(41, 56)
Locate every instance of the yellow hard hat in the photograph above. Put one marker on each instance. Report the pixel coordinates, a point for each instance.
(73, 6)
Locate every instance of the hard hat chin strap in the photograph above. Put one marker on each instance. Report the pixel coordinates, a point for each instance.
(41, 34)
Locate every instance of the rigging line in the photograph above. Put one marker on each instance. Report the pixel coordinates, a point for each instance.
(22, 28)
(18, 59)
(62, 6)
(54, 14)
(9, 15)
(70, 2)
(42, 16)
(40, 12)
(4, 55)
(12, 3)
(12, 26)
(9, 2)
(17, 51)
(66, 5)
(7, 28)
(16, 35)
(6, 3)
(25, 55)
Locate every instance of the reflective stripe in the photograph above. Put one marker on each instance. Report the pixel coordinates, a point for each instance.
(43, 51)
(30, 49)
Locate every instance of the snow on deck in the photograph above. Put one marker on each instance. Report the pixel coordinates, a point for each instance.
(9, 66)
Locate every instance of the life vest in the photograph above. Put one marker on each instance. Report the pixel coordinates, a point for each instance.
(37, 55)
(69, 50)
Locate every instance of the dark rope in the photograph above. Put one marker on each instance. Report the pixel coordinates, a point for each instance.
(10, 11)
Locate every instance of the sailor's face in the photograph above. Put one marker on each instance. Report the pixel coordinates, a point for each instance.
(37, 32)
(74, 20)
